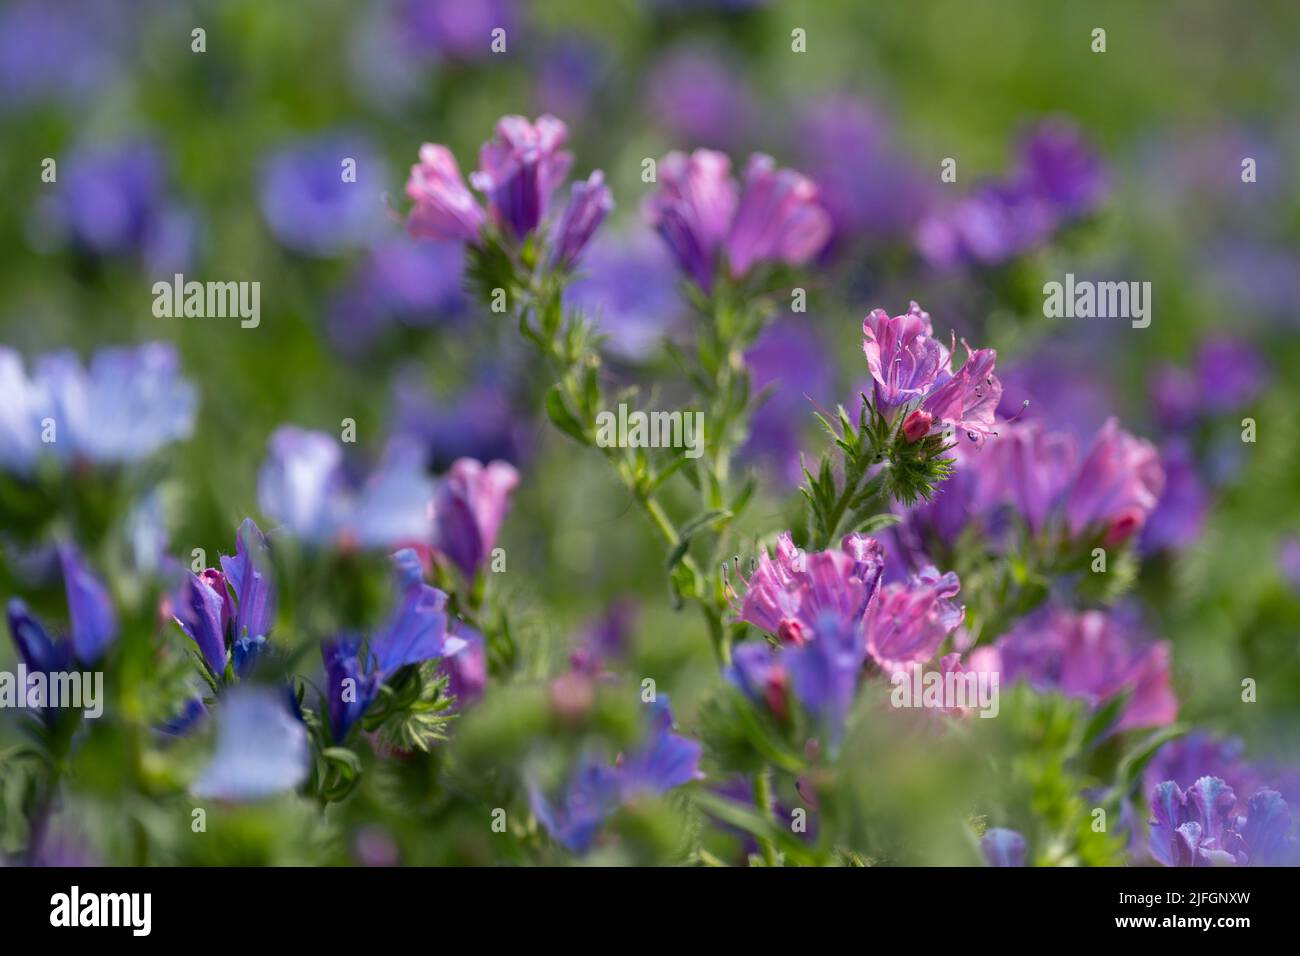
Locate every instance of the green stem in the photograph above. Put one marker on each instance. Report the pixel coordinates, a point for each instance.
(763, 802)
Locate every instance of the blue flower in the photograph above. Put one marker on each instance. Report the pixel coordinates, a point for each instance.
(417, 631)
(1003, 847)
(92, 622)
(261, 750)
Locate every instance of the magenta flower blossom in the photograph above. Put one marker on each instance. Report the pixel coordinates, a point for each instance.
(693, 209)
(1093, 655)
(903, 356)
(589, 203)
(700, 212)
(908, 622)
(519, 170)
(468, 509)
(908, 365)
(1029, 468)
(1117, 487)
(779, 218)
(444, 207)
(787, 594)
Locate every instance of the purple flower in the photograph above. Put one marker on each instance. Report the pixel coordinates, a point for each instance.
(206, 611)
(628, 285)
(904, 358)
(92, 621)
(697, 96)
(1230, 374)
(693, 209)
(129, 404)
(606, 639)
(308, 204)
(908, 365)
(595, 790)
(64, 53)
(1093, 655)
(468, 509)
(1179, 517)
(1003, 847)
(464, 661)
(1057, 179)
(788, 595)
(760, 674)
(416, 631)
(907, 623)
(1117, 487)
(519, 170)
(1029, 468)
(589, 204)
(261, 750)
(444, 207)
(1056, 164)
(824, 672)
(114, 201)
(302, 486)
(478, 422)
(1288, 561)
(1193, 828)
(866, 184)
(1176, 397)
(454, 29)
(791, 366)
(779, 218)
(575, 816)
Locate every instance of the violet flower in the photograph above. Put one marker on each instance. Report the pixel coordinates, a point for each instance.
(417, 630)
(1117, 487)
(468, 509)
(231, 610)
(1093, 655)
(262, 748)
(127, 405)
(92, 622)
(590, 202)
(911, 369)
(308, 205)
(1198, 827)
(444, 207)
(700, 213)
(907, 623)
(303, 487)
(1002, 847)
(520, 168)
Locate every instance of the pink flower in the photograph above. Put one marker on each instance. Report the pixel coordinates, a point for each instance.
(693, 209)
(468, 509)
(1118, 485)
(786, 594)
(1028, 467)
(967, 401)
(904, 358)
(519, 170)
(779, 218)
(907, 623)
(444, 207)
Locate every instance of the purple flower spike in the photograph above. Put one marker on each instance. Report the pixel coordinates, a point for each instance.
(520, 168)
(469, 506)
(444, 207)
(90, 608)
(779, 218)
(693, 209)
(1118, 485)
(589, 203)
(1003, 847)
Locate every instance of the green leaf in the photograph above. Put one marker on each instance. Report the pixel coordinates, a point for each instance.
(557, 410)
